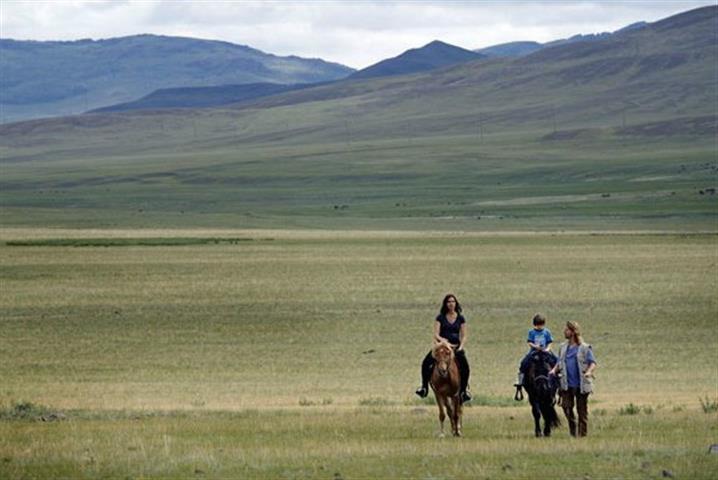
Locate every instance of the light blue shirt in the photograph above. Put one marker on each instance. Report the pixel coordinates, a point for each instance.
(540, 337)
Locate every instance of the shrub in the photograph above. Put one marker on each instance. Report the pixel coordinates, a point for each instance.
(23, 411)
(630, 409)
(305, 402)
(708, 405)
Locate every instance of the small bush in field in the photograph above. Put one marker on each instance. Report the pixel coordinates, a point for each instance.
(23, 411)
(305, 402)
(708, 405)
(630, 409)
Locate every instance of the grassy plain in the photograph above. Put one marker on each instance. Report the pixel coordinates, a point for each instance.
(294, 354)
(448, 182)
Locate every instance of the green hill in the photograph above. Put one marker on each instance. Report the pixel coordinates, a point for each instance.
(199, 97)
(616, 133)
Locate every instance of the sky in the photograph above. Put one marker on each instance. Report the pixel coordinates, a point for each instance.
(356, 33)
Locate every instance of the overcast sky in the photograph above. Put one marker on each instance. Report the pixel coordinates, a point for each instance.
(355, 33)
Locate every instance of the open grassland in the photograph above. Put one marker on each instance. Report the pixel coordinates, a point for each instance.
(366, 443)
(295, 354)
(597, 181)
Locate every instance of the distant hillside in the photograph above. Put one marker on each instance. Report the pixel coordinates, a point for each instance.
(201, 97)
(432, 55)
(59, 78)
(618, 131)
(511, 49)
(520, 49)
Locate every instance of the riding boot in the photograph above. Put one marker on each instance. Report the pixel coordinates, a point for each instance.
(463, 364)
(427, 366)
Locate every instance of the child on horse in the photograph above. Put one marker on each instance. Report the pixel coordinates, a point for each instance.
(539, 340)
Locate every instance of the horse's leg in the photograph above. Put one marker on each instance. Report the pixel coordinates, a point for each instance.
(550, 417)
(545, 411)
(450, 409)
(440, 399)
(537, 418)
(457, 414)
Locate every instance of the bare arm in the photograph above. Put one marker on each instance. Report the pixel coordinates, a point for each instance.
(437, 329)
(590, 369)
(462, 337)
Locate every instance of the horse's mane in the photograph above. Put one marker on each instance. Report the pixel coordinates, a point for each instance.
(439, 346)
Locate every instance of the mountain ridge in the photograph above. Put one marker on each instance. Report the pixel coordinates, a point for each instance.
(65, 77)
(435, 54)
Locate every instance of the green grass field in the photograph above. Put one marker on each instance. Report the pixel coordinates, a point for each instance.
(449, 182)
(294, 354)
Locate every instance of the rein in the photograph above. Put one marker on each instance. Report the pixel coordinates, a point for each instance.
(519, 395)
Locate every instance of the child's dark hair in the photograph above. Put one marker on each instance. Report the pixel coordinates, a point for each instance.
(539, 320)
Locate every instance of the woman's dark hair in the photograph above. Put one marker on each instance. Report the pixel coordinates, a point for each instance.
(444, 309)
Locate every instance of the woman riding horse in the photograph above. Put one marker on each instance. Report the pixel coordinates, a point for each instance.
(450, 327)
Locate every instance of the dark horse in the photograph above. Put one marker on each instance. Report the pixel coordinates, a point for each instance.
(541, 389)
(446, 383)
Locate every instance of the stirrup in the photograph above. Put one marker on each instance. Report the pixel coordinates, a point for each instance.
(519, 395)
(422, 392)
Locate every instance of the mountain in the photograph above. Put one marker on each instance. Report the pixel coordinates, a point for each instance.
(59, 78)
(617, 132)
(511, 49)
(520, 49)
(201, 97)
(432, 55)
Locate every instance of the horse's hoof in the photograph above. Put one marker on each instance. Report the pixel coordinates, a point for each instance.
(458, 434)
(537, 434)
(441, 435)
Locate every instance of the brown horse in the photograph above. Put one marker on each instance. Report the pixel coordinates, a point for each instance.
(446, 383)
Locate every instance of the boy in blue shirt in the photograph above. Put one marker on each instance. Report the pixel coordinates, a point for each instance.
(539, 340)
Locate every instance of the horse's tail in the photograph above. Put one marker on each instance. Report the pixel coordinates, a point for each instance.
(553, 420)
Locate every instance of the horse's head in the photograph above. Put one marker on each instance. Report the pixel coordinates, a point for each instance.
(540, 363)
(444, 356)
